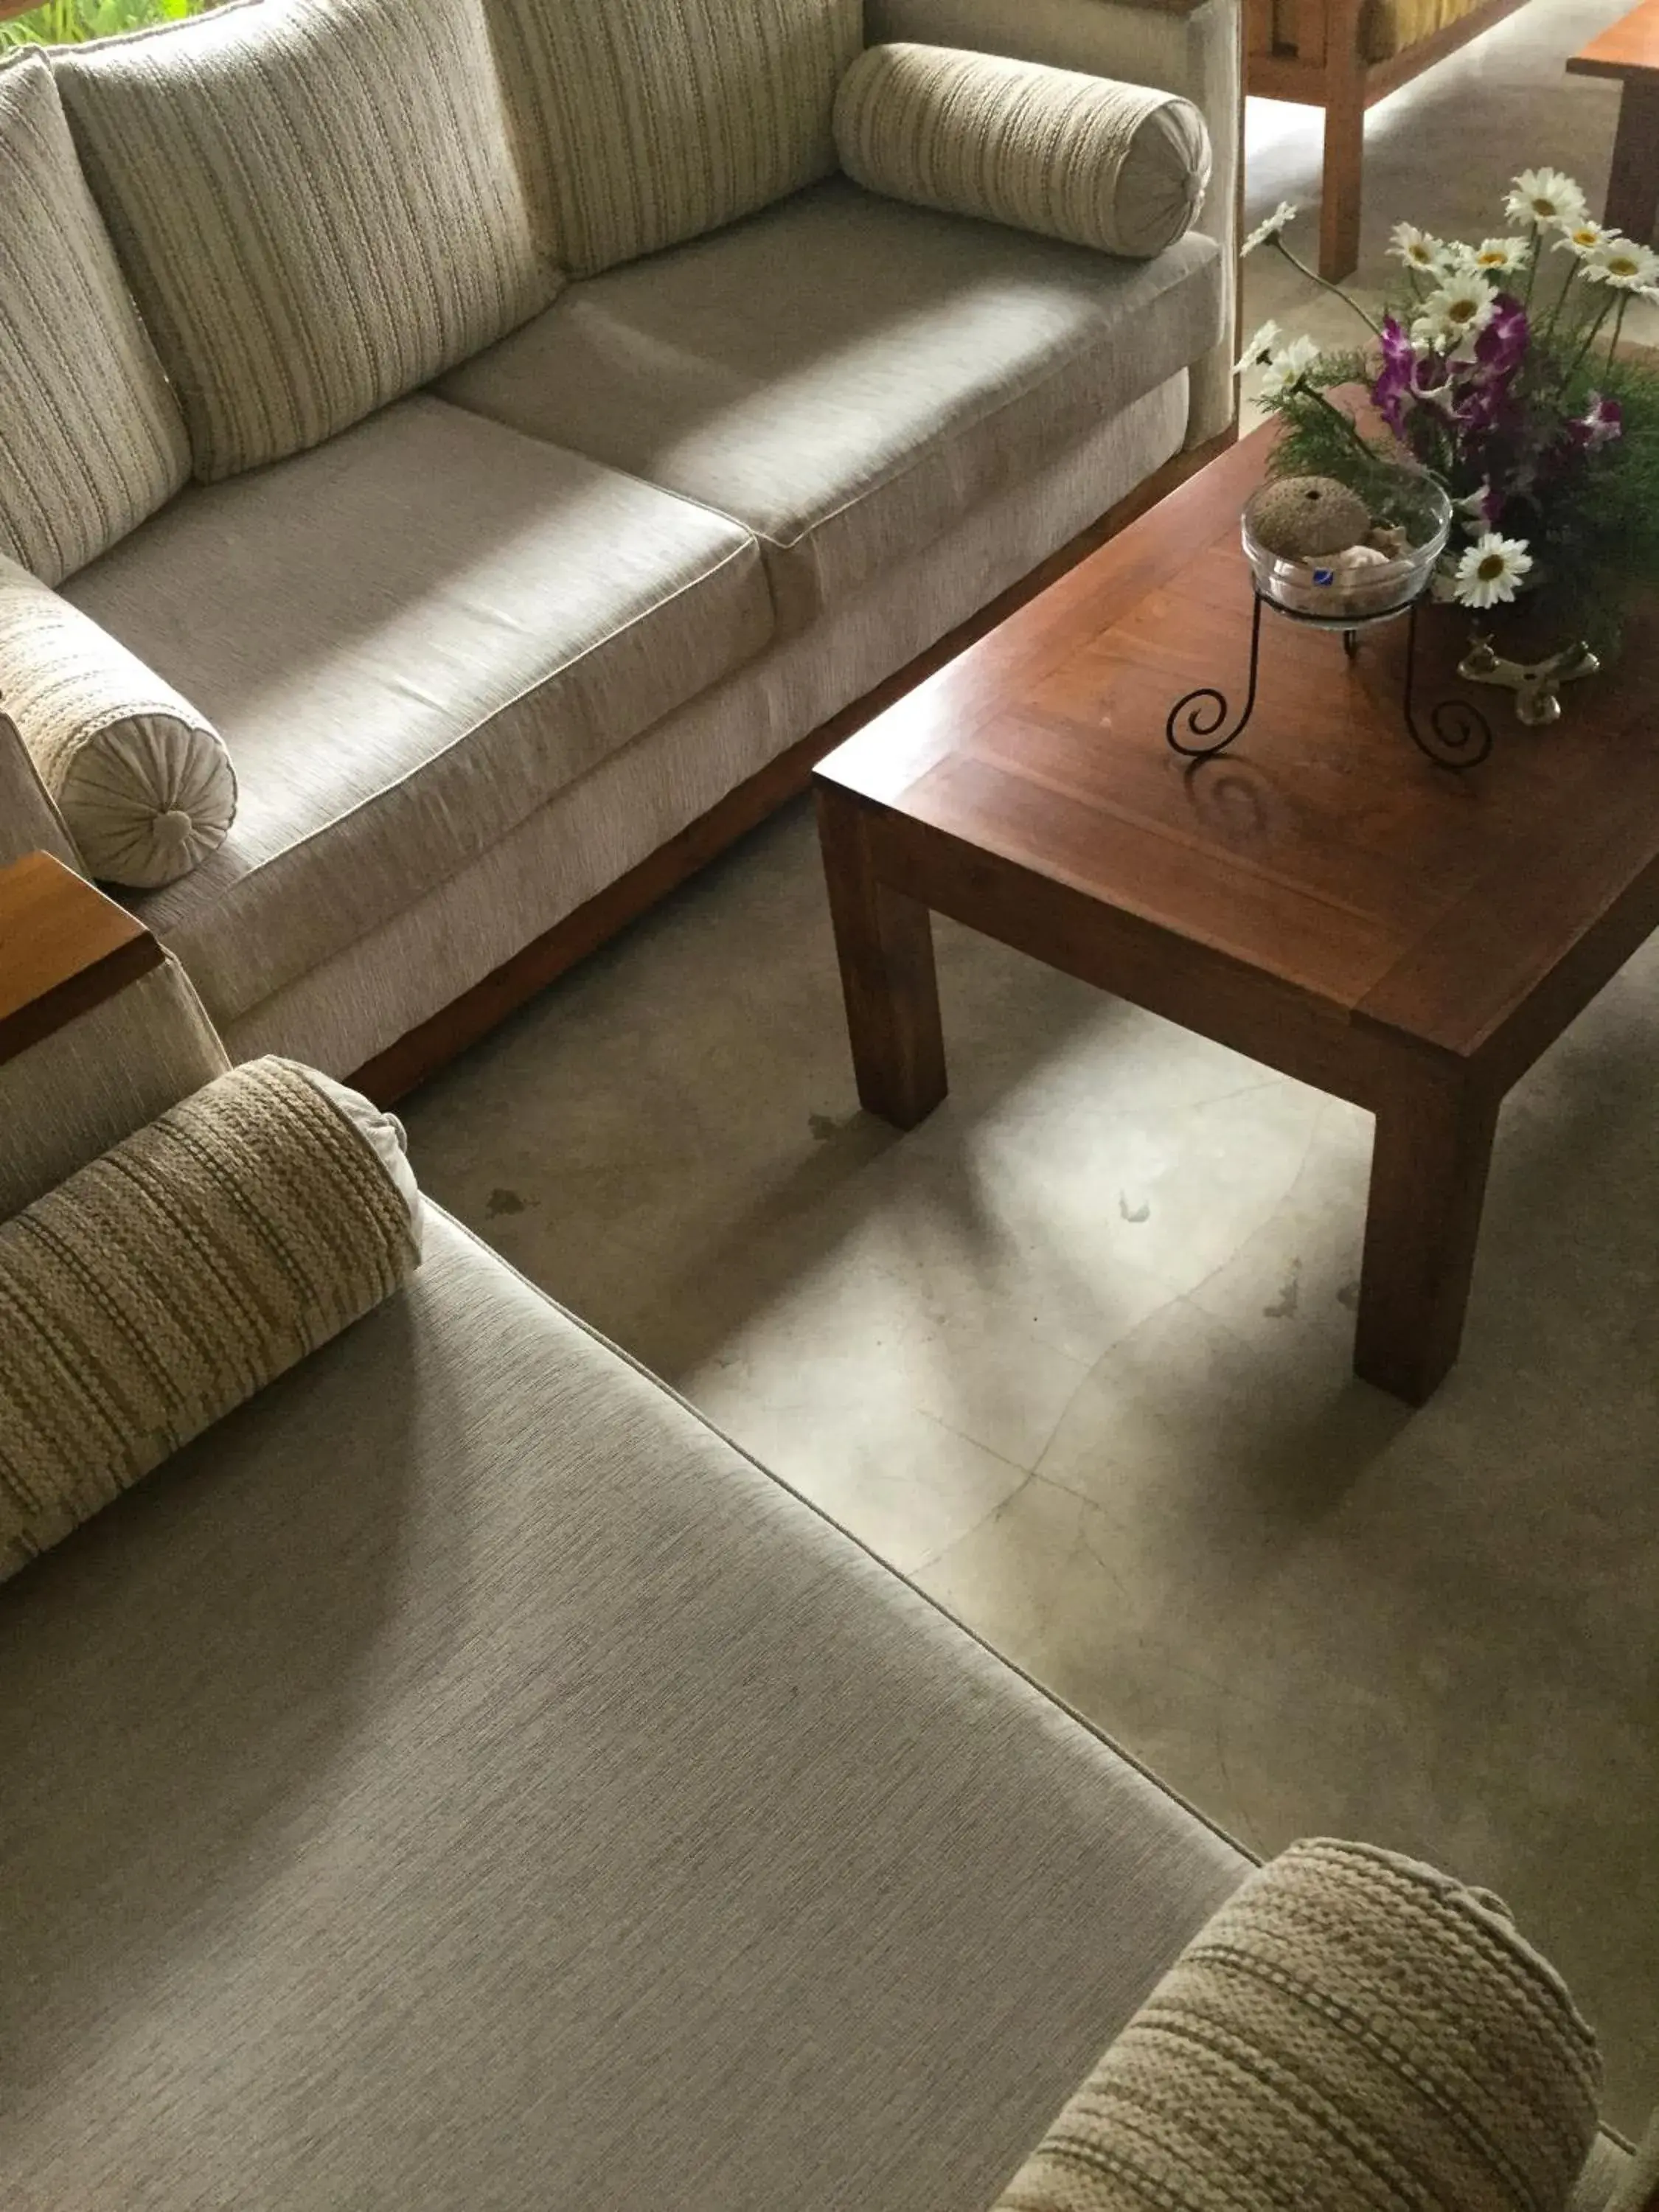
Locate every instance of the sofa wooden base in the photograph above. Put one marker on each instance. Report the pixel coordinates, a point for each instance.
(393, 1073)
(1326, 69)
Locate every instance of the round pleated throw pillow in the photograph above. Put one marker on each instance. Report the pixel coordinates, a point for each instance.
(1352, 2032)
(143, 781)
(168, 1280)
(1120, 168)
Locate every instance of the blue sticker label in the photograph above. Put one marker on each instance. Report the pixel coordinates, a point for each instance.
(1324, 575)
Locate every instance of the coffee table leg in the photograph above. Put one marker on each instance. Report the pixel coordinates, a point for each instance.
(1633, 181)
(885, 943)
(1434, 1139)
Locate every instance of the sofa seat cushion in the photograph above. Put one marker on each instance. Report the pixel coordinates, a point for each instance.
(846, 375)
(410, 639)
(464, 1779)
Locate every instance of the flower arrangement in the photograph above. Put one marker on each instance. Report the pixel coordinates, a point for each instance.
(1497, 370)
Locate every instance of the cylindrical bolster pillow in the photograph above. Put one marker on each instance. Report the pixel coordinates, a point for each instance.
(1351, 2029)
(168, 1281)
(1117, 167)
(142, 780)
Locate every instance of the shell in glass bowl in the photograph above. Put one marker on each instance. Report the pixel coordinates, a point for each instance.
(1367, 583)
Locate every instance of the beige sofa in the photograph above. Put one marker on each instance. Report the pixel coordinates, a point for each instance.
(481, 654)
(462, 1779)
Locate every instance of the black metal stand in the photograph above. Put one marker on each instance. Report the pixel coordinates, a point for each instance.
(1457, 735)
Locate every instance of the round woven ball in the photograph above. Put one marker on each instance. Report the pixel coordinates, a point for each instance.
(1300, 516)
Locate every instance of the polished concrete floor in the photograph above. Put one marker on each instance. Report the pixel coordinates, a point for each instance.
(1075, 1354)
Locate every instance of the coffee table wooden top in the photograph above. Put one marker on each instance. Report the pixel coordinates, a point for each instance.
(1325, 855)
(1628, 48)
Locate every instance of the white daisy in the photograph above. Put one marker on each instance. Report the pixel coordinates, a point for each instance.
(1287, 367)
(1416, 249)
(1582, 237)
(1499, 256)
(1490, 571)
(1283, 214)
(1455, 316)
(1622, 263)
(1545, 196)
(1260, 350)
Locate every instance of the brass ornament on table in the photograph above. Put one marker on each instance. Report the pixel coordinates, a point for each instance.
(1536, 685)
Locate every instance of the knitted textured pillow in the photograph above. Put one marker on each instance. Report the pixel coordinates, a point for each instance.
(143, 782)
(1117, 167)
(1352, 2032)
(317, 204)
(165, 1283)
(91, 439)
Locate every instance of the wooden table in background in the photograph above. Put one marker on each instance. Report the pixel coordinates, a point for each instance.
(1629, 50)
(1325, 899)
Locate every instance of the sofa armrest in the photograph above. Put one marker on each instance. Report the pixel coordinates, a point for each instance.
(141, 781)
(1196, 51)
(64, 948)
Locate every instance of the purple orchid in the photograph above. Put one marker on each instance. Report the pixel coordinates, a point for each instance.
(1485, 506)
(1602, 422)
(1502, 346)
(1484, 401)
(1395, 383)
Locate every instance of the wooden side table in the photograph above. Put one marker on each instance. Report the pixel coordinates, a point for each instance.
(1629, 51)
(64, 948)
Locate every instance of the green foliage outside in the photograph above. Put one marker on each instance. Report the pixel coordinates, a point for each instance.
(64, 22)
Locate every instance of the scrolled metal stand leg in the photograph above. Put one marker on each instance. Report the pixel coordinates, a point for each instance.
(1459, 736)
(1203, 712)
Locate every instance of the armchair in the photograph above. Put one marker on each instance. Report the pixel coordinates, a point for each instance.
(1344, 56)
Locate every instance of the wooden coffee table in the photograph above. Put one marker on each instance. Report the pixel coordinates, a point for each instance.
(1324, 899)
(1628, 52)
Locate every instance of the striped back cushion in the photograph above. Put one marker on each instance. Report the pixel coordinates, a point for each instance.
(170, 1279)
(90, 439)
(643, 122)
(318, 205)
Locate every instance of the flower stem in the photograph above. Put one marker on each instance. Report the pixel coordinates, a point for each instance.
(1573, 269)
(1618, 329)
(1313, 277)
(1578, 359)
(1337, 415)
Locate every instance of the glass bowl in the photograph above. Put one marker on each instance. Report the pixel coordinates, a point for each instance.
(1337, 590)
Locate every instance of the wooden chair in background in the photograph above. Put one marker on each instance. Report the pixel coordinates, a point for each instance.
(1344, 56)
